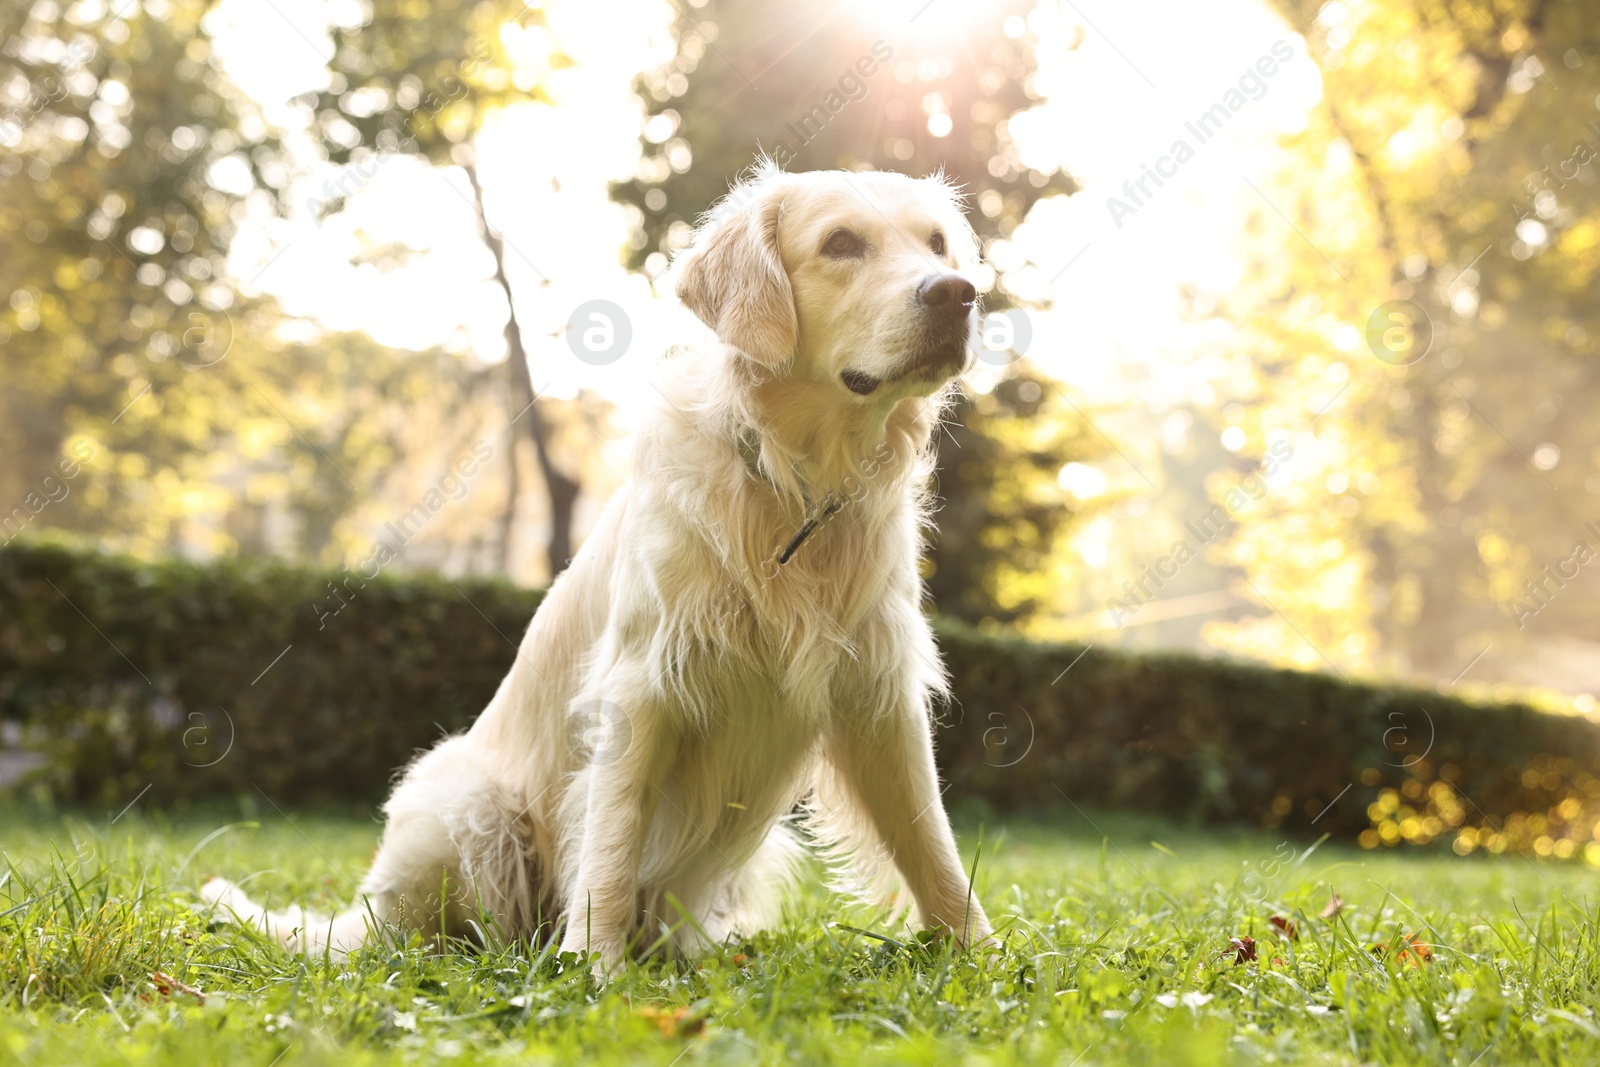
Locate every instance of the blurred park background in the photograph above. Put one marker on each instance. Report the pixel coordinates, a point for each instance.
(1301, 297)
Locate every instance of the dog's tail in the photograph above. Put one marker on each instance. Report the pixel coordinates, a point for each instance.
(295, 927)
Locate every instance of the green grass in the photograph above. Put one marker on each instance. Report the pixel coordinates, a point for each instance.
(1117, 951)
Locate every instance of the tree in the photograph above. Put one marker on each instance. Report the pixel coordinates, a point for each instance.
(1457, 463)
(112, 242)
(421, 81)
(998, 555)
(143, 400)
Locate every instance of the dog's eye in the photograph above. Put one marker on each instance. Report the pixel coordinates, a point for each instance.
(842, 244)
(936, 242)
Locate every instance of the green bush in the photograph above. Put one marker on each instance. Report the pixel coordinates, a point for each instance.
(134, 674)
(175, 676)
(1223, 740)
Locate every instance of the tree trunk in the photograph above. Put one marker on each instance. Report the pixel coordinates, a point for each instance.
(508, 514)
(524, 409)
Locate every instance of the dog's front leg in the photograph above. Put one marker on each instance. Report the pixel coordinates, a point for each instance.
(887, 764)
(619, 800)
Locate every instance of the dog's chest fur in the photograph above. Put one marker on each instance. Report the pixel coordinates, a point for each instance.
(756, 659)
(720, 502)
(734, 627)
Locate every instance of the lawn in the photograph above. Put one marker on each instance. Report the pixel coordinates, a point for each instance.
(1117, 950)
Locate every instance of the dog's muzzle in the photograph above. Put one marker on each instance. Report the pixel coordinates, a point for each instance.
(946, 302)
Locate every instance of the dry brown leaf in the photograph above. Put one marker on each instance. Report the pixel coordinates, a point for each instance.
(673, 1022)
(1335, 906)
(1416, 951)
(1412, 950)
(1285, 927)
(167, 985)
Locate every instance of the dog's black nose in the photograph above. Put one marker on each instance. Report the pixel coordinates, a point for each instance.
(949, 296)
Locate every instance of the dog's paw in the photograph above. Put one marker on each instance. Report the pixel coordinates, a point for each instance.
(987, 947)
(604, 963)
(978, 938)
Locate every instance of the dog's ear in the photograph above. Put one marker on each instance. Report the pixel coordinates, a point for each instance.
(732, 276)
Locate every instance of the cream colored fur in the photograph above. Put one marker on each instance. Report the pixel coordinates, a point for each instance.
(679, 695)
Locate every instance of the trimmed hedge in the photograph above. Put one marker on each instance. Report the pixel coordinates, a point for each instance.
(1224, 740)
(131, 674)
(206, 680)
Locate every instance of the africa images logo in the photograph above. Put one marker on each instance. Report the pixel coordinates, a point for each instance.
(850, 88)
(1252, 85)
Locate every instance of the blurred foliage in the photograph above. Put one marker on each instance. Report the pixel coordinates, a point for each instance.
(112, 246)
(998, 553)
(421, 79)
(203, 424)
(1557, 813)
(820, 89)
(1450, 164)
(316, 684)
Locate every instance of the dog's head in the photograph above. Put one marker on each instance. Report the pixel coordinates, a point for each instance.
(853, 280)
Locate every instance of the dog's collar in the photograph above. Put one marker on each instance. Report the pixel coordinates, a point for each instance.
(750, 452)
(829, 506)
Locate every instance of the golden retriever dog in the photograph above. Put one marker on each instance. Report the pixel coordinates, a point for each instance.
(736, 664)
